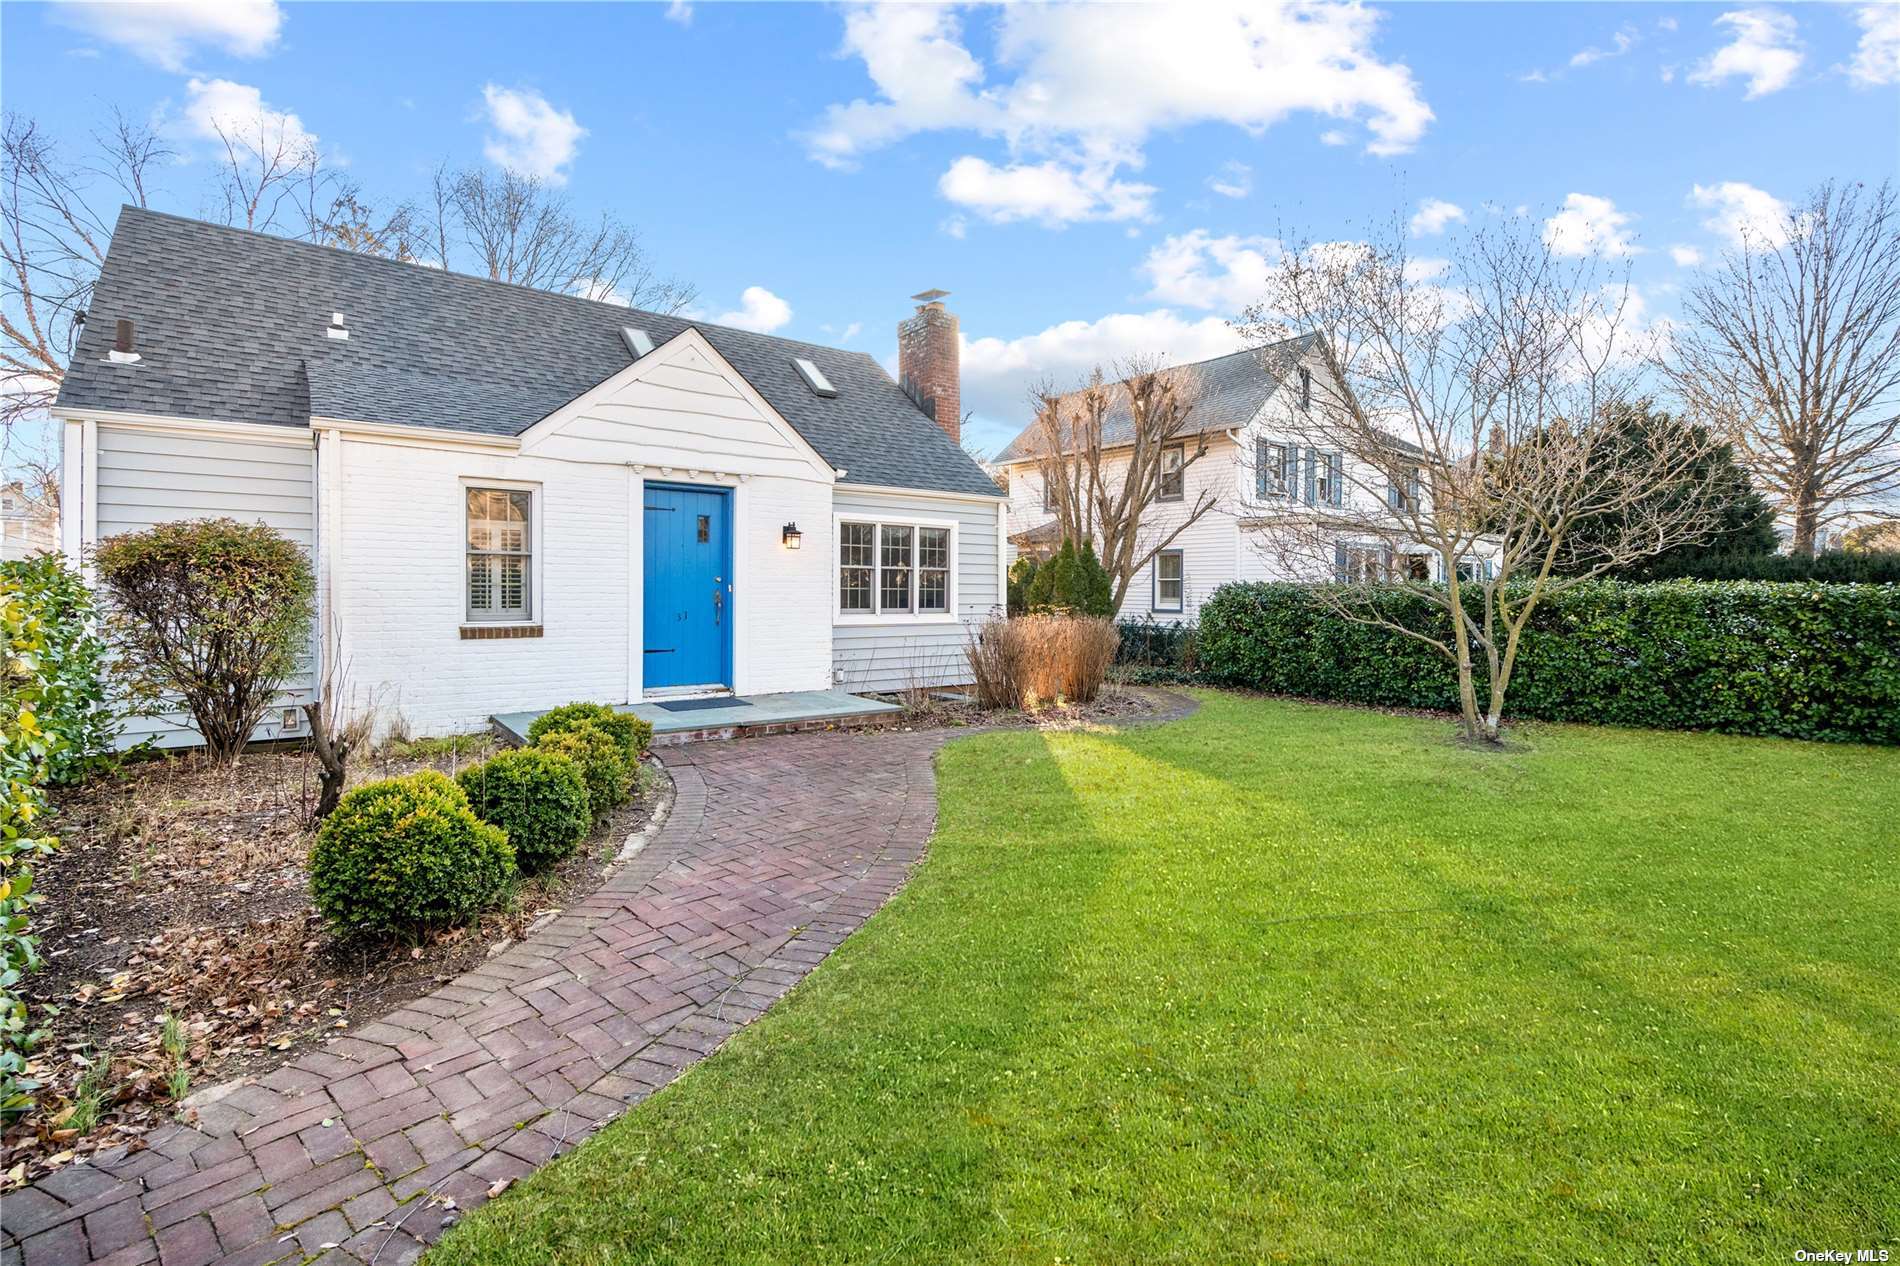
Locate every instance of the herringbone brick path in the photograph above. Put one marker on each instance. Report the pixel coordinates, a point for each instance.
(361, 1151)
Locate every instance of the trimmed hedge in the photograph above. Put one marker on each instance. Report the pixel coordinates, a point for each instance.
(537, 796)
(632, 734)
(605, 769)
(406, 856)
(1868, 567)
(1810, 661)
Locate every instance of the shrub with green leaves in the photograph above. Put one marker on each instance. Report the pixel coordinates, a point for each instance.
(211, 612)
(406, 856)
(1074, 582)
(26, 754)
(603, 763)
(538, 796)
(632, 734)
(71, 666)
(1811, 661)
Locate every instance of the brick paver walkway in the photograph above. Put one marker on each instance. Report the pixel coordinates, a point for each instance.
(361, 1151)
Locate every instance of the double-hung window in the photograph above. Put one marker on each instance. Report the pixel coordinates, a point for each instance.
(1276, 470)
(1328, 484)
(1306, 388)
(1170, 580)
(500, 554)
(1173, 483)
(897, 569)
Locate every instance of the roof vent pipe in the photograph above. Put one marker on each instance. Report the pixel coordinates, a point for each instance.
(336, 329)
(122, 341)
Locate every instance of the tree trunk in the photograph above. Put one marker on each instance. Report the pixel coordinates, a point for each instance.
(1807, 525)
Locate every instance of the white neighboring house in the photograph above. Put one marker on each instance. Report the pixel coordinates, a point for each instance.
(28, 525)
(516, 499)
(1259, 465)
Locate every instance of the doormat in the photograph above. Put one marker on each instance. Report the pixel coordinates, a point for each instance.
(701, 705)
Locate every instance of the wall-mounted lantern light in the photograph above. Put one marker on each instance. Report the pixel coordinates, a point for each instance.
(791, 536)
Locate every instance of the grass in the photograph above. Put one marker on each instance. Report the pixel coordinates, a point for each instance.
(1289, 983)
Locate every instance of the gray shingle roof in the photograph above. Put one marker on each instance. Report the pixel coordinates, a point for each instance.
(230, 328)
(1227, 392)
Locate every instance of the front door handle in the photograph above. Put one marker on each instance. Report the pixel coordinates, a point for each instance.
(719, 605)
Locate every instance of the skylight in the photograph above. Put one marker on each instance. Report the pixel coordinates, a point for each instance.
(638, 341)
(814, 378)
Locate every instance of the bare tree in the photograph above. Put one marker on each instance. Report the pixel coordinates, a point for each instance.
(1464, 421)
(54, 241)
(1792, 350)
(1106, 456)
(338, 215)
(516, 228)
(268, 168)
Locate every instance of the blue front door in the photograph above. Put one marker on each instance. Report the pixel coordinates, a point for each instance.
(688, 586)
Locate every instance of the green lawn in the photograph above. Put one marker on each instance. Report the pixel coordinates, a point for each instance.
(1292, 983)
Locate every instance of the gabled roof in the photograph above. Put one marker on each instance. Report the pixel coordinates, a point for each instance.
(230, 327)
(1227, 391)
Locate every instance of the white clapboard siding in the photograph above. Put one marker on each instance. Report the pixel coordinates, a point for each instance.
(151, 477)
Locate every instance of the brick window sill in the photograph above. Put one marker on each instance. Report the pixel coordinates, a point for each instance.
(498, 632)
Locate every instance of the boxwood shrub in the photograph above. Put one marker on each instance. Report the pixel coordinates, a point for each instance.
(537, 796)
(1813, 661)
(632, 734)
(602, 760)
(406, 856)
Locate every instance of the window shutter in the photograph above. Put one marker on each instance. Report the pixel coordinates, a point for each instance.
(1312, 475)
(1290, 471)
(1260, 452)
(1335, 487)
(1339, 562)
(1392, 495)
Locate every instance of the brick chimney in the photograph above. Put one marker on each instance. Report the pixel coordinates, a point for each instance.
(927, 362)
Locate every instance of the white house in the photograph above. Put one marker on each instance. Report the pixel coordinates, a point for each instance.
(515, 499)
(1260, 464)
(28, 525)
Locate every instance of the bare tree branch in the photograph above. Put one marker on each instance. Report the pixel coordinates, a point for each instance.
(1792, 351)
(1467, 416)
(1108, 452)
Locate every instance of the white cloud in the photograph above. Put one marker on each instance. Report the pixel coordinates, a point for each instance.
(759, 310)
(1433, 215)
(1743, 213)
(1068, 87)
(1590, 225)
(1877, 60)
(1622, 42)
(529, 136)
(1050, 193)
(1199, 270)
(1233, 180)
(217, 108)
(851, 331)
(1765, 51)
(1420, 269)
(1335, 136)
(681, 12)
(601, 290)
(165, 32)
(998, 373)
(1685, 256)
(1665, 24)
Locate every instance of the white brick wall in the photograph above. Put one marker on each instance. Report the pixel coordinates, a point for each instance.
(400, 586)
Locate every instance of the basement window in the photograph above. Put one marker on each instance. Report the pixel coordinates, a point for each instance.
(814, 378)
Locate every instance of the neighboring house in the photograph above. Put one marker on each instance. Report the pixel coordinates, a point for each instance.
(28, 524)
(515, 499)
(1259, 463)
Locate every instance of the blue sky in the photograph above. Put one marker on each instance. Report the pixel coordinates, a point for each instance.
(1087, 181)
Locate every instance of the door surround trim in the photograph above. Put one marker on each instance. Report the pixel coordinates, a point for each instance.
(729, 496)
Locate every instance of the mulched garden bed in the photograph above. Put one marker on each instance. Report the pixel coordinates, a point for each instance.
(180, 891)
(1116, 704)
